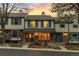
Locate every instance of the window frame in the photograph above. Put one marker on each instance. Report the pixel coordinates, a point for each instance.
(75, 25)
(16, 21)
(62, 26)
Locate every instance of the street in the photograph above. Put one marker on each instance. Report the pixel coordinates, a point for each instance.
(17, 52)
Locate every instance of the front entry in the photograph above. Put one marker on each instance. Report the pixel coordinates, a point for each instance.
(58, 38)
(38, 36)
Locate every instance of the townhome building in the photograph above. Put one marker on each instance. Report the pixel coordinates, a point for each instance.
(24, 28)
(61, 35)
(67, 32)
(39, 28)
(74, 31)
(14, 27)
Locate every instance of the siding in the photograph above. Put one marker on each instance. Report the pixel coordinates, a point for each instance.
(71, 29)
(9, 26)
(59, 29)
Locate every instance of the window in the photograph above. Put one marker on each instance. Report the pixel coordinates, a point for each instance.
(26, 35)
(45, 24)
(14, 34)
(74, 36)
(75, 26)
(29, 25)
(16, 21)
(33, 24)
(62, 25)
(36, 23)
(41, 23)
(49, 23)
(30, 35)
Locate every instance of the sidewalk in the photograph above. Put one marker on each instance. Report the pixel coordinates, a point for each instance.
(25, 47)
(43, 49)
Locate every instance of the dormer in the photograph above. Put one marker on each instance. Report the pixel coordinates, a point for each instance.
(20, 11)
(43, 13)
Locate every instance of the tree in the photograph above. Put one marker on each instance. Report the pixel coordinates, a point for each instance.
(5, 11)
(64, 11)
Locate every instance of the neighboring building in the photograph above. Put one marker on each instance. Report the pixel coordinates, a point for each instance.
(14, 27)
(61, 34)
(74, 31)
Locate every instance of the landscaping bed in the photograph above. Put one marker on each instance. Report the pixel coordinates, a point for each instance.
(43, 46)
(15, 45)
(56, 47)
(72, 46)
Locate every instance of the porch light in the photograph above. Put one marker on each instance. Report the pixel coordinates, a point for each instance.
(64, 34)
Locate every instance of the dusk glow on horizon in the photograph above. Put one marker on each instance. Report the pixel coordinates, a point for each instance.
(40, 8)
(36, 8)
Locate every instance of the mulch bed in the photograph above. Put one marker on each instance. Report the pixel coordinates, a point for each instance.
(43, 46)
(15, 45)
(72, 46)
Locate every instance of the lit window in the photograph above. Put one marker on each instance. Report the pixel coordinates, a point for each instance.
(26, 35)
(33, 24)
(30, 35)
(45, 24)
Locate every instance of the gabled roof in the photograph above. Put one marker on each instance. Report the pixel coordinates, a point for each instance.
(17, 15)
(40, 17)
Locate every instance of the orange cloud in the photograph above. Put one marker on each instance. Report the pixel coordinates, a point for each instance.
(40, 8)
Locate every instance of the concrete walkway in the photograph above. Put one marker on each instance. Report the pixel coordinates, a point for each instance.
(63, 48)
(42, 49)
(25, 47)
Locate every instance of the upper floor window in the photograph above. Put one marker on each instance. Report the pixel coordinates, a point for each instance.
(49, 24)
(45, 24)
(16, 21)
(39, 24)
(29, 25)
(62, 25)
(42, 23)
(75, 26)
(33, 24)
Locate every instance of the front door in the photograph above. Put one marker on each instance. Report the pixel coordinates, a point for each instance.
(58, 38)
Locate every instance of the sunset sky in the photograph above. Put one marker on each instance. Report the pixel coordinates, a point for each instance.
(37, 8)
